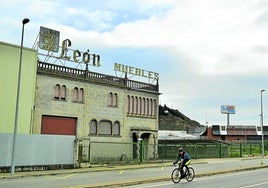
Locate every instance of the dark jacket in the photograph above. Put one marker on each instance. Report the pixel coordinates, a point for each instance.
(184, 156)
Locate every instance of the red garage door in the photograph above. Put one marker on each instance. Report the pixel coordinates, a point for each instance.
(58, 125)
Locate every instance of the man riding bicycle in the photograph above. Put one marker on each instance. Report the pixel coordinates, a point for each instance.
(186, 160)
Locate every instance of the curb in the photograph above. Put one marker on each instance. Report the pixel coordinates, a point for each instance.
(85, 170)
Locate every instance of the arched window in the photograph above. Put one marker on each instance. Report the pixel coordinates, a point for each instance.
(110, 99)
(143, 106)
(105, 127)
(128, 104)
(154, 107)
(139, 106)
(150, 107)
(93, 127)
(81, 95)
(116, 128)
(57, 91)
(147, 106)
(114, 99)
(131, 105)
(75, 94)
(63, 92)
(135, 109)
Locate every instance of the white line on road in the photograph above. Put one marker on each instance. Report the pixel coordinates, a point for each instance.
(255, 185)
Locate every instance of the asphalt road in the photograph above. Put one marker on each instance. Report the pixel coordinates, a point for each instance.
(243, 179)
(130, 175)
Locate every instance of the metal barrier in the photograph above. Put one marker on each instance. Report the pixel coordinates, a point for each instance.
(107, 152)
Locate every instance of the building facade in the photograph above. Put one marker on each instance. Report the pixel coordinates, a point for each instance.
(109, 115)
(9, 71)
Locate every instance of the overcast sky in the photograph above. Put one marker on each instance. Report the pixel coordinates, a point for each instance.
(208, 53)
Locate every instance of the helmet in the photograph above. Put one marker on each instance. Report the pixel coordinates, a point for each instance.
(180, 149)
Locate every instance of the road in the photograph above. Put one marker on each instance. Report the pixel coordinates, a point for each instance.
(124, 176)
(245, 179)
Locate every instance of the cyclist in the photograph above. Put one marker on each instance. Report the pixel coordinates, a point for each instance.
(186, 160)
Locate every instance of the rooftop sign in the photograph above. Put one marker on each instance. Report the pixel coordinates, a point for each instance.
(49, 41)
(136, 71)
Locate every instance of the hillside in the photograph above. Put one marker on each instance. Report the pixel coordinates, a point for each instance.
(170, 119)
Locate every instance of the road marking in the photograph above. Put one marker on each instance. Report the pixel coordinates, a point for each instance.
(160, 184)
(64, 177)
(255, 185)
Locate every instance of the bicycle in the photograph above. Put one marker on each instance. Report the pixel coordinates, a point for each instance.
(176, 175)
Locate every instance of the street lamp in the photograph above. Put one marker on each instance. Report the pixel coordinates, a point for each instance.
(262, 132)
(24, 21)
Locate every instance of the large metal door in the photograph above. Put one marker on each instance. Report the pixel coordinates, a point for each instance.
(58, 125)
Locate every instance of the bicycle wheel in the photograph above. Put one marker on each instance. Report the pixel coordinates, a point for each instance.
(190, 174)
(176, 175)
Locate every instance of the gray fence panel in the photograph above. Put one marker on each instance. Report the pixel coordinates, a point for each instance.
(35, 150)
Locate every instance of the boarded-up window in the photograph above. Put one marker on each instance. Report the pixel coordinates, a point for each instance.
(143, 106)
(105, 127)
(116, 128)
(81, 95)
(139, 106)
(150, 107)
(57, 91)
(135, 103)
(114, 100)
(63, 92)
(78, 95)
(147, 106)
(110, 99)
(131, 105)
(154, 108)
(75, 94)
(128, 104)
(93, 127)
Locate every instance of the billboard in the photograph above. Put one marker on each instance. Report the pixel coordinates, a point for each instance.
(227, 109)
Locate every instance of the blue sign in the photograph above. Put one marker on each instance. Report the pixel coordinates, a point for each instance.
(227, 109)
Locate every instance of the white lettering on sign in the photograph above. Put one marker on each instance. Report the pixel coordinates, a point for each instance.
(136, 71)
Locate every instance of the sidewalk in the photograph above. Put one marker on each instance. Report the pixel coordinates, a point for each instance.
(203, 167)
(92, 168)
